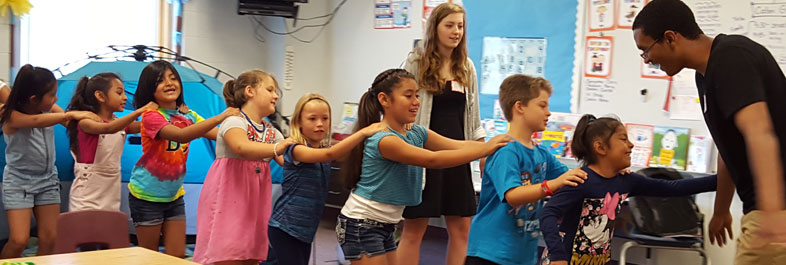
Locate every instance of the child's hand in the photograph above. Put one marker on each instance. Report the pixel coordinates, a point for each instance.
(625, 171)
(408, 126)
(373, 128)
(282, 146)
(495, 143)
(573, 177)
(183, 109)
(231, 112)
(152, 105)
(81, 115)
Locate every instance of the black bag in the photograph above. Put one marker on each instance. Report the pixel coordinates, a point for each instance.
(666, 216)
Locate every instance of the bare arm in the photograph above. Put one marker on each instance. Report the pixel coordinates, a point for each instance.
(237, 141)
(212, 134)
(396, 149)
(21, 120)
(314, 155)
(95, 127)
(437, 142)
(134, 127)
(529, 193)
(755, 124)
(200, 129)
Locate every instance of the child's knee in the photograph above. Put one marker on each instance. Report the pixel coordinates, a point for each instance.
(18, 241)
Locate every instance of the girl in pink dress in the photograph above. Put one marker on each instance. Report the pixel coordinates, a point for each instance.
(235, 202)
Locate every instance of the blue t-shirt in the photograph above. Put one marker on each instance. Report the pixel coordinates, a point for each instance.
(304, 191)
(588, 212)
(388, 181)
(499, 232)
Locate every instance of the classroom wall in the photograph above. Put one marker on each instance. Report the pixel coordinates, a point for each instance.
(5, 47)
(214, 33)
(359, 52)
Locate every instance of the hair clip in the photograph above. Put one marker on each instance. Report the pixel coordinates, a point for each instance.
(591, 119)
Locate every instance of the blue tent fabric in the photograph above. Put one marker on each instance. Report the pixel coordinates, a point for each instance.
(202, 93)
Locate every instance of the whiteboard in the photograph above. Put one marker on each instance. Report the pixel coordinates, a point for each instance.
(762, 21)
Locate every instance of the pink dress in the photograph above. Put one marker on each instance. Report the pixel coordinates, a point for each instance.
(235, 202)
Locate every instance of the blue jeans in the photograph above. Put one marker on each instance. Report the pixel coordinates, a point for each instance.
(369, 237)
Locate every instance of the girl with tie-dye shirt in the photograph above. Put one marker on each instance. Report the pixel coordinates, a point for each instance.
(156, 184)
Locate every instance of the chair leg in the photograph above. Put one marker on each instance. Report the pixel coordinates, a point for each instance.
(624, 250)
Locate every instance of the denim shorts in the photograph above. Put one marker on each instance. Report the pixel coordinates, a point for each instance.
(147, 213)
(358, 237)
(22, 191)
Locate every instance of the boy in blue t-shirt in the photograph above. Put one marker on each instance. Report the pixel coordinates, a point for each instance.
(506, 228)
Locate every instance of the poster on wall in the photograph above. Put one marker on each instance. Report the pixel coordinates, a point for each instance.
(429, 5)
(649, 70)
(503, 57)
(641, 137)
(598, 57)
(601, 15)
(627, 11)
(391, 14)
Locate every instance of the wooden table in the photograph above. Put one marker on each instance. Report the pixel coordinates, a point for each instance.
(120, 256)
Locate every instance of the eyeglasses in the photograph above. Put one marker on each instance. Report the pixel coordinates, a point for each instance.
(646, 52)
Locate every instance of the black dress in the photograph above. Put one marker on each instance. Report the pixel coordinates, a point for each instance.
(448, 191)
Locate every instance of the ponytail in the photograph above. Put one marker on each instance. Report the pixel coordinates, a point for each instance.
(588, 130)
(370, 111)
(84, 99)
(30, 82)
(230, 95)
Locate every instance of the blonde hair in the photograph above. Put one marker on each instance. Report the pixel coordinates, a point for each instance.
(233, 89)
(429, 61)
(295, 132)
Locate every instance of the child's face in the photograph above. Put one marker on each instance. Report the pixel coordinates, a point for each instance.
(46, 102)
(315, 120)
(450, 30)
(115, 97)
(168, 88)
(536, 112)
(620, 148)
(403, 103)
(265, 96)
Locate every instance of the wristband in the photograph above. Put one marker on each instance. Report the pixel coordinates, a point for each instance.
(545, 188)
(275, 149)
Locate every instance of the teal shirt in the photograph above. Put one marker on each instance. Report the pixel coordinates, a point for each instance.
(388, 181)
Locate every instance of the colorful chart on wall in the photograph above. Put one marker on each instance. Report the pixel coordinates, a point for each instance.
(597, 57)
(627, 11)
(503, 57)
(601, 15)
(429, 5)
(390, 14)
(649, 70)
(554, 21)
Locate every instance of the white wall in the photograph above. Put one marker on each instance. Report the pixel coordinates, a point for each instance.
(360, 52)
(5, 48)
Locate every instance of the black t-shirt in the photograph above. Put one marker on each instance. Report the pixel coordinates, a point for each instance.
(741, 72)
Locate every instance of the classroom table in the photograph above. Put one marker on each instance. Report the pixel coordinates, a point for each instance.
(120, 256)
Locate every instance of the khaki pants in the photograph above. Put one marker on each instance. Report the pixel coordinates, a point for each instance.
(750, 248)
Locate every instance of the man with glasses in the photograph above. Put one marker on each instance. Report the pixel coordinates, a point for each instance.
(743, 95)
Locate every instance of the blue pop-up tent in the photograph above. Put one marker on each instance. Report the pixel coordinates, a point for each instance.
(202, 93)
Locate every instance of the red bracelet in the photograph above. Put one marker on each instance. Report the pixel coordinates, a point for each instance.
(546, 188)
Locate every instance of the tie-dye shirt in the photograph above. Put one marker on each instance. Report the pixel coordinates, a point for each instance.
(159, 174)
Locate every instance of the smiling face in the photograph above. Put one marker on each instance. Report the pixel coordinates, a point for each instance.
(167, 89)
(662, 51)
(263, 96)
(45, 103)
(403, 102)
(620, 148)
(115, 97)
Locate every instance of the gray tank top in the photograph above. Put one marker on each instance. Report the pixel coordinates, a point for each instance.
(31, 150)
